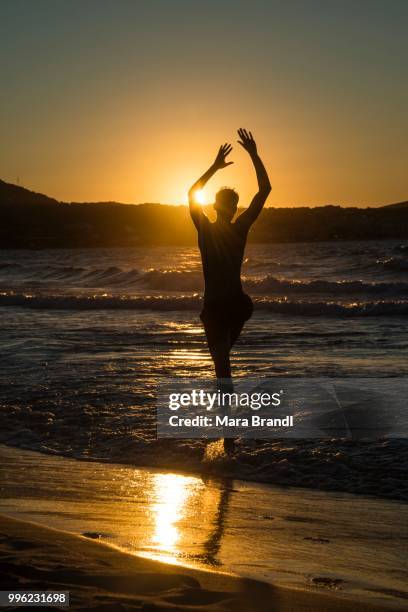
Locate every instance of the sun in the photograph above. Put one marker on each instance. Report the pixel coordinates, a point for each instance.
(199, 196)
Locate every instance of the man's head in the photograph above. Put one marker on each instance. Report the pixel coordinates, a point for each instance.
(226, 202)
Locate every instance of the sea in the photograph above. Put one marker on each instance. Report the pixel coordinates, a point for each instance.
(88, 336)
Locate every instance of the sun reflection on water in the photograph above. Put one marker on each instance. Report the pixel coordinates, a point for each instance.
(171, 493)
(176, 501)
(189, 355)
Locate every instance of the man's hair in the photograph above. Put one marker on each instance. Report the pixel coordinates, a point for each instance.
(226, 198)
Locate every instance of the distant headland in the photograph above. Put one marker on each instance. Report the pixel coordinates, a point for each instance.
(34, 220)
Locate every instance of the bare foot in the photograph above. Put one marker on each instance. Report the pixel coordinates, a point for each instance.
(229, 446)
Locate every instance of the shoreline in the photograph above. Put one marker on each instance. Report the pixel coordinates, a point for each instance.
(225, 467)
(35, 557)
(303, 541)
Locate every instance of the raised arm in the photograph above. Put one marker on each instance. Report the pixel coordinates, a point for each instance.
(196, 212)
(264, 185)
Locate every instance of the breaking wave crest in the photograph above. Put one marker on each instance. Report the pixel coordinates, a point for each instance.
(270, 284)
(193, 303)
(174, 280)
(396, 264)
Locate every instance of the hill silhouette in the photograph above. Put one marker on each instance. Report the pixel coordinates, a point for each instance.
(397, 205)
(14, 195)
(33, 220)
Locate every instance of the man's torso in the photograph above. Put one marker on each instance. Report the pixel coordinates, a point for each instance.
(222, 249)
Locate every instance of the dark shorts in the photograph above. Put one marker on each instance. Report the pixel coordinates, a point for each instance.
(226, 314)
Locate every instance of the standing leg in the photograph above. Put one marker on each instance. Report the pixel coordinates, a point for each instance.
(219, 344)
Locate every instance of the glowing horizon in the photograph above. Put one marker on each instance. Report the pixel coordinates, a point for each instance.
(135, 111)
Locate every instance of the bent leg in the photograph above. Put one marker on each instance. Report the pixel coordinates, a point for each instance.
(243, 313)
(221, 357)
(235, 332)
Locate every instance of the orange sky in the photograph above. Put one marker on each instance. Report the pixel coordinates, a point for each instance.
(135, 110)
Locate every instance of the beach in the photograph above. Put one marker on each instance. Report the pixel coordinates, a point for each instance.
(344, 546)
(204, 306)
(100, 577)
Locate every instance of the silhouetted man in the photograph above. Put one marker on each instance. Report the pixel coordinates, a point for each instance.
(222, 244)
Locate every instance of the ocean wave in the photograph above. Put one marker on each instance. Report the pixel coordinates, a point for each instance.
(172, 280)
(95, 302)
(393, 263)
(402, 248)
(63, 272)
(112, 276)
(182, 280)
(9, 265)
(14, 276)
(335, 309)
(271, 284)
(254, 262)
(194, 302)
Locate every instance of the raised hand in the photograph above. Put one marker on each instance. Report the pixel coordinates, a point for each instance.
(247, 141)
(220, 162)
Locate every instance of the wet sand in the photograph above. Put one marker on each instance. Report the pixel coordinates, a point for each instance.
(103, 578)
(313, 541)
